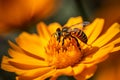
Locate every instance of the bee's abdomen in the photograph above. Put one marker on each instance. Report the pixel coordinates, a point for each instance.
(81, 35)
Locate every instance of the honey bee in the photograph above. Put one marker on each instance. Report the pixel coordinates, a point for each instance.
(72, 31)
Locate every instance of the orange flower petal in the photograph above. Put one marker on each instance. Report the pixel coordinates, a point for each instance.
(96, 32)
(28, 60)
(90, 28)
(105, 38)
(43, 30)
(52, 27)
(116, 41)
(88, 72)
(35, 73)
(101, 53)
(15, 54)
(64, 71)
(116, 49)
(47, 75)
(74, 20)
(32, 38)
(78, 69)
(25, 66)
(34, 48)
(5, 65)
(15, 47)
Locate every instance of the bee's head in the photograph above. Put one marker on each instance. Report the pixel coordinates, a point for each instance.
(58, 30)
(65, 29)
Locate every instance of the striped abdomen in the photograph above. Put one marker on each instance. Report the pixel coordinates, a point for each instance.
(79, 34)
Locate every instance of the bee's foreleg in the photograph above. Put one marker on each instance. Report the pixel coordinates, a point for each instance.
(63, 40)
(58, 39)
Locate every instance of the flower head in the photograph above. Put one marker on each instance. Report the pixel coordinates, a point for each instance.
(15, 13)
(40, 56)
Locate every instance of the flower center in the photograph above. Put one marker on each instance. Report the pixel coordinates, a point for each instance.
(61, 56)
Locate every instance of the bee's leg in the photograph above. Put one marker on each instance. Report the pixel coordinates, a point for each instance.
(56, 36)
(77, 42)
(63, 40)
(64, 37)
(58, 39)
(89, 45)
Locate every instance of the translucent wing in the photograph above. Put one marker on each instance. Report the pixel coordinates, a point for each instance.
(79, 25)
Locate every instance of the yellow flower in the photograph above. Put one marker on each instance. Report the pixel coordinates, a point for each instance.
(15, 13)
(40, 56)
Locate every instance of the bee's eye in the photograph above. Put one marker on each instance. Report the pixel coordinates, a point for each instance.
(64, 29)
(58, 29)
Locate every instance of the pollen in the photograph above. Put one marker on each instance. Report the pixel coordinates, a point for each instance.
(61, 56)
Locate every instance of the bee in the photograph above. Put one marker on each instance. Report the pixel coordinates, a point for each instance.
(72, 32)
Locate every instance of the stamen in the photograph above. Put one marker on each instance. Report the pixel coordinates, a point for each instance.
(61, 56)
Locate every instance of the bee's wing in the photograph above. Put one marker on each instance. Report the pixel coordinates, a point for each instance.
(85, 23)
(80, 25)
